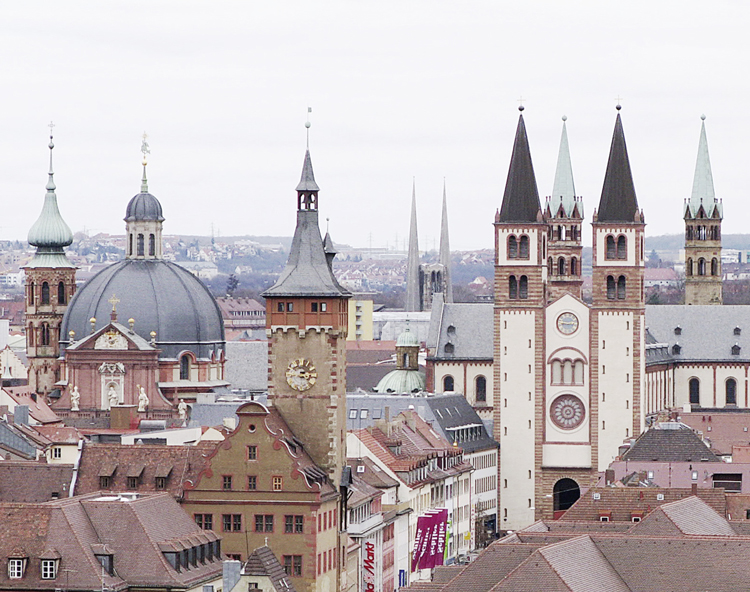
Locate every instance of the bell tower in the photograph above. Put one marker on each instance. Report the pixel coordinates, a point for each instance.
(50, 284)
(618, 309)
(564, 214)
(306, 324)
(703, 216)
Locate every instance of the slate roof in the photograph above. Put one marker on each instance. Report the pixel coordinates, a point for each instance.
(246, 366)
(618, 202)
(669, 445)
(707, 333)
(307, 272)
(468, 327)
(453, 412)
(521, 196)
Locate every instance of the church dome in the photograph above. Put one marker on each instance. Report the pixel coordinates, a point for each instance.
(401, 382)
(159, 296)
(50, 230)
(143, 206)
(407, 339)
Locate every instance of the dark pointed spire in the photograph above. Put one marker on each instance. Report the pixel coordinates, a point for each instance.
(308, 270)
(618, 202)
(307, 181)
(413, 296)
(521, 197)
(445, 250)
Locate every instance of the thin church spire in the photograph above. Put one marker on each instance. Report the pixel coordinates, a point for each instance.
(413, 297)
(445, 250)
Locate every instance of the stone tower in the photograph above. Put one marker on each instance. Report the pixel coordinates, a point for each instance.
(703, 215)
(618, 309)
(50, 284)
(520, 298)
(564, 214)
(306, 324)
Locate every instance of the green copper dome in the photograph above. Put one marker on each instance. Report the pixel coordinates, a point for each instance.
(401, 382)
(407, 339)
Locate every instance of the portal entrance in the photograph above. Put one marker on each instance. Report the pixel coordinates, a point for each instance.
(565, 493)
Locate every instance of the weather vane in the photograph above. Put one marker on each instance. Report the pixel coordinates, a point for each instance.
(144, 148)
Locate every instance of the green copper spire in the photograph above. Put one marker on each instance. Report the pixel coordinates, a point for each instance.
(50, 232)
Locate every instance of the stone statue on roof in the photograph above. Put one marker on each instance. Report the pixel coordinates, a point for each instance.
(142, 400)
(182, 409)
(75, 399)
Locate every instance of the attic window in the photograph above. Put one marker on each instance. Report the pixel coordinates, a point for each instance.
(449, 348)
(106, 562)
(676, 349)
(16, 568)
(49, 569)
(678, 330)
(737, 331)
(736, 350)
(451, 330)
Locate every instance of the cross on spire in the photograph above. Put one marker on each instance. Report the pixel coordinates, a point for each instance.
(144, 148)
(520, 103)
(50, 126)
(114, 302)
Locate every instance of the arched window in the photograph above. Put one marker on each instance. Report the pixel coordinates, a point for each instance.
(561, 266)
(731, 392)
(523, 287)
(701, 266)
(573, 266)
(185, 367)
(611, 292)
(567, 372)
(689, 270)
(714, 267)
(512, 247)
(512, 287)
(578, 372)
(141, 246)
(695, 391)
(130, 244)
(448, 383)
(151, 245)
(621, 288)
(30, 334)
(564, 494)
(549, 266)
(61, 293)
(31, 293)
(622, 247)
(45, 293)
(45, 334)
(523, 251)
(481, 389)
(611, 253)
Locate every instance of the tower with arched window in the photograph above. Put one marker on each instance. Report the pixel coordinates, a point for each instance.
(618, 309)
(703, 216)
(50, 284)
(564, 215)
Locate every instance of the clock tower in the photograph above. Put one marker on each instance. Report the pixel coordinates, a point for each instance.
(306, 324)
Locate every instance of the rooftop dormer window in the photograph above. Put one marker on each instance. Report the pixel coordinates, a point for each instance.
(16, 567)
(736, 350)
(678, 330)
(49, 569)
(737, 331)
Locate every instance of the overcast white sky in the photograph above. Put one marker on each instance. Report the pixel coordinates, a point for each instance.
(402, 89)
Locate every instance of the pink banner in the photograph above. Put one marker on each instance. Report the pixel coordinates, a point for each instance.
(435, 541)
(418, 541)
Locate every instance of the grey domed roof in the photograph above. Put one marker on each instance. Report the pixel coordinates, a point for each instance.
(160, 296)
(143, 206)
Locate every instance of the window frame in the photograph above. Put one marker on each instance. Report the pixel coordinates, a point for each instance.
(16, 568)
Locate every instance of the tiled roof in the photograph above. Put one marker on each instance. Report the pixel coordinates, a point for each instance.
(669, 445)
(116, 460)
(33, 481)
(262, 562)
(76, 528)
(621, 503)
(371, 473)
(687, 516)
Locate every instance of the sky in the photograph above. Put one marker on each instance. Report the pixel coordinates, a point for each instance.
(399, 90)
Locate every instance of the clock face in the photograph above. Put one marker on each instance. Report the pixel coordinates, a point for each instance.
(567, 412)
(301, 374)
(567, 323)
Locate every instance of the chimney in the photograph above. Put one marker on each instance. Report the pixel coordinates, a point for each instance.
(694, 489)
(609, 476)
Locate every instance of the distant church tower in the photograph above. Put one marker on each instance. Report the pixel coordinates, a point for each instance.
(425, 280)
(306, 324)
(703, 215)
(564, 213)
(50, 284)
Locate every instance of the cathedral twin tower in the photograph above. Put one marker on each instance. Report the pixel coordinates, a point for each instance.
(569, 376)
